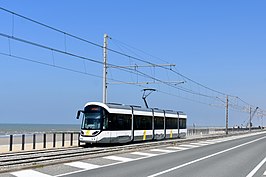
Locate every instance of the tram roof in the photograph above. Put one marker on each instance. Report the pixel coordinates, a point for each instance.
(137, 108)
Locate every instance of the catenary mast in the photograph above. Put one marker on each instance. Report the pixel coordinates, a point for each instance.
(105, 68)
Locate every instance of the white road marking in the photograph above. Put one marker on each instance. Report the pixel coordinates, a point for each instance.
(264, 174)
(162, 150)
(252, 173)
(177, 148)
(82, 165)
(199, 144)
(229, 139)
(215, 141)
(29, 173)
(205, 142)
(143, 154)
(117, 158)
(188, 145)
(203, 158)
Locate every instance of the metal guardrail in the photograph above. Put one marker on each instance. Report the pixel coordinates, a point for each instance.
(208, 131)
(57, 139)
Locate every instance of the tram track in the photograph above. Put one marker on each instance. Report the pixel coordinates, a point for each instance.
(22, 160)
(21, 153)
(44, 157)
(10, 154)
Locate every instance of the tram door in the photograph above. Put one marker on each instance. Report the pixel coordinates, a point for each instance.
(120, 128)
(123, 128)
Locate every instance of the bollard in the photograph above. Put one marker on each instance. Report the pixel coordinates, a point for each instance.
(23, 142)
(33, 141)
(44, 140)
(11, 143)
(71, 139)
(78, 140)
(54, 140)
(63, 139)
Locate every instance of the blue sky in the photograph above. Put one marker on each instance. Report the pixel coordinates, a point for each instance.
(220, 44)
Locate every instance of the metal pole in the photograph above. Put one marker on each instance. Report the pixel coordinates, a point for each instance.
(34, 141)
(63, 139)
(105, 68)
(164, 124)
(261, 121)
(153, 125)
(44, 140)
(78, 140)
(178, 125)
(11, 143)
(71, 139)
(250, 119)
(54, 140)
(226, 116)
(23, 142)
(132, 124)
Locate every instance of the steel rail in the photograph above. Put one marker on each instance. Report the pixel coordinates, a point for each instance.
(29, 152)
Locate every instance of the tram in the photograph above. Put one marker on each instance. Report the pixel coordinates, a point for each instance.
(118, 123)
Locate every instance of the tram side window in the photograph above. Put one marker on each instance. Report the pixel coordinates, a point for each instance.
(158, 122)
(182, 123)
(142, 122)
(171, 123)
(119, 122)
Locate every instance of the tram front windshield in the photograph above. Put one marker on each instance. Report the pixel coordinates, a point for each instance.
(92, 118)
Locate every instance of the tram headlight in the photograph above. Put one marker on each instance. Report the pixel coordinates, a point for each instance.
(96, 132)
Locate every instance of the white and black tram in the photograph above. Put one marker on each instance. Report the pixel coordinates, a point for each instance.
(117, 123)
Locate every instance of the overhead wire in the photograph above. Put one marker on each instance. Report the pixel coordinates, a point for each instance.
(98, 62)
(183, 76)
(146, 53)
(180, 88)
(109, 49)
(74, 36)
(197, 83)
(50, 27)
(49, 48)
(80, 72)
(56, 66)
(47, 64)
(142, 60)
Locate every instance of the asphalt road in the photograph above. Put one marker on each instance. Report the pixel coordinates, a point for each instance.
(238, 156)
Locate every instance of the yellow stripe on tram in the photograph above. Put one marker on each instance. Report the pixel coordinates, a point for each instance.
(144, 135)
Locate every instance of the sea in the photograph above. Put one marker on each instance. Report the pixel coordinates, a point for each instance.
(17, 129)
(28, 129)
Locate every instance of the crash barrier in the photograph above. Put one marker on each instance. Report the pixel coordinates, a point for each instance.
(18, 142)
(218, 130)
